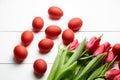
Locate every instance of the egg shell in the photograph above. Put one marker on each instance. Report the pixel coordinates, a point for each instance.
(45, 45)
(55, 12)
(52, 31)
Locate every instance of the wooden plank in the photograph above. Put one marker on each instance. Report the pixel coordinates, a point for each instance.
(11, 39)
(20, 72)
(18, 15)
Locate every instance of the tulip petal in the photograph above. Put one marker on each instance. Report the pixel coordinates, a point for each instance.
(99, 50)
(92, 44)
(74, 45)
(109, 57)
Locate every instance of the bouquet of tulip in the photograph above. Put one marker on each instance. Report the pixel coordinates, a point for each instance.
(88, 60)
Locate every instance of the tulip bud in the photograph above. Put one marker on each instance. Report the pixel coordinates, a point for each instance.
(107, 46)
(117, 77)
(99, 50)
(73, 45)
(93, 43)
(109, 57)
(111, 74)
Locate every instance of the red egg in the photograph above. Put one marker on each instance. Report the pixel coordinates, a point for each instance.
(75, 24)
(52, 31)
(67, 36)
(45, 45)
(37, 24)
(40, 67)
(20, 53)
(116, 50)
(55, 12)
(27, 37)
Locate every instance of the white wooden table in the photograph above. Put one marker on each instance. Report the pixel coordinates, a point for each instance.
(99, 17)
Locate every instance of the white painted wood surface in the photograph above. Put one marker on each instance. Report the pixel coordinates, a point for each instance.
(99, 17)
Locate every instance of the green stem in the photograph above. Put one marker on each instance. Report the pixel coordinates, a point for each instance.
(88, 57)
(97, 72)
(109, 66)
(77, 54)
(90, 66)
(81, 65)
(100, 36)
(65, 71)
(100, 79)
(62, 59)
(55, 65)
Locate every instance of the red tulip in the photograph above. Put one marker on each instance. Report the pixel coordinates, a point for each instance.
(109, 57)
(93, 43)
(105, 47)
(117, 77)
(111, 74)
(99, 50)
(74, 45)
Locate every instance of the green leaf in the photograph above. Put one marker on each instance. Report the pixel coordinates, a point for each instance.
(90, 66)
(65, 71)
(88, 57)
(109, 66)
(55, 65)
(97, 72)
(100, 79)
(77, 54)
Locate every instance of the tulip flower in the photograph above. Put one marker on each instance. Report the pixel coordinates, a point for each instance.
(73, 45)
(93, 43)
(75, 63)
(109, 57)
(100, 49)
(105, 47)
(112, 73)
(117, 77)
